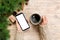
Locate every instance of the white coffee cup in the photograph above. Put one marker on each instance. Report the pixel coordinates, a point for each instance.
(35, 19)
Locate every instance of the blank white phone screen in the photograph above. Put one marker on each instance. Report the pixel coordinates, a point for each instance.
(22, 21)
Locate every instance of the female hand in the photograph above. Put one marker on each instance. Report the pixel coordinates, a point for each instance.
(44, 20)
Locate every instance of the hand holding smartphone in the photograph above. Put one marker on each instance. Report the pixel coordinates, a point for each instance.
(22, 21)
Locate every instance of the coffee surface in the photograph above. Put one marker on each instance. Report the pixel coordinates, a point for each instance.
(35, 18)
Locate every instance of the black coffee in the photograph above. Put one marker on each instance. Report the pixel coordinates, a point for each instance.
(35, 18)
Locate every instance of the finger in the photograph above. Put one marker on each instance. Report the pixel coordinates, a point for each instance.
(44, 20)
(12, 18)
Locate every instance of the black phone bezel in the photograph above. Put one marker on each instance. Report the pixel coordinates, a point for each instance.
(25, 19)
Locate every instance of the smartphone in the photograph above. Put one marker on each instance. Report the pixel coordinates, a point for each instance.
(22, 21)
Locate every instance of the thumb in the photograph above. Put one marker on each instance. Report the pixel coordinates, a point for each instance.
(18, 26)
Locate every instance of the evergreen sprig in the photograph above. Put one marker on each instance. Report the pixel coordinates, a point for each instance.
(6, 9)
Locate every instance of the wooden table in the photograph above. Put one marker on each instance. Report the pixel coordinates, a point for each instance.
(49, 8)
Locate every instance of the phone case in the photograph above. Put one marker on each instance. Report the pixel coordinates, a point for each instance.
(25, 20)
